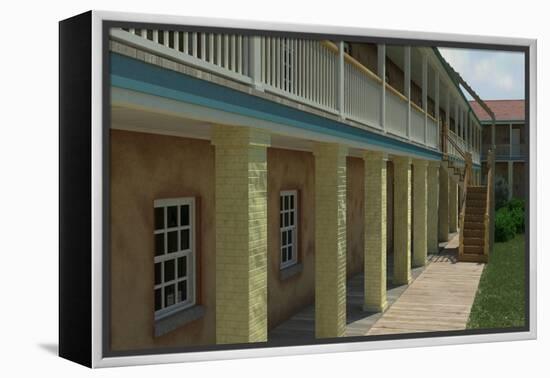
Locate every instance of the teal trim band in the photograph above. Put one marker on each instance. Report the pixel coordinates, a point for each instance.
(132, 74)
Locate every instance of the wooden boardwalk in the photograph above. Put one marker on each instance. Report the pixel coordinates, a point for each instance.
(440, 299)
(301, 327)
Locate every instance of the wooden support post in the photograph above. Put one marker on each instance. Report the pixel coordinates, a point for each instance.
(425, 94)
(255, 61)
(437, 108)
(382, 74)
(407, 87)
(340, 79)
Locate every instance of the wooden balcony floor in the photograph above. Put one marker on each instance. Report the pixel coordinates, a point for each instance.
(301, 327)
(439, 298)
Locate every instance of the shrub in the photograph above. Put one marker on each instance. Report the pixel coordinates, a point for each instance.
(505, 225)
(516, 208)
(501, 192)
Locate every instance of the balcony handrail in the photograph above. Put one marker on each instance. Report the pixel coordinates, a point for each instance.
(450, 138)
(351, 60)
(307, 72)
(467, 177)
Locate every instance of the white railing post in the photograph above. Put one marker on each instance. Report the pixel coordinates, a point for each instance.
(407, 54)
(467, 131)
(340, 79)
(425, 94)
(382, 74)
(255, 61)
(456, 117)
(448, 111)
(461, 115)
(437, 107)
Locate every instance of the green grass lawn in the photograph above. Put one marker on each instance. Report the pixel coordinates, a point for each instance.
(500, 298)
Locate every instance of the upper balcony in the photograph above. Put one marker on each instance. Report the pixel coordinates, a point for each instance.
(325, 76)
(507, 151)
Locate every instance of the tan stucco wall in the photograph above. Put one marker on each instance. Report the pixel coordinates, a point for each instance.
(355, 215)
(145, 167)
(290, 170)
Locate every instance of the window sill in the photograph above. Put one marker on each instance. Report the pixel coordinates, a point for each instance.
(291, 271)
(178, 319)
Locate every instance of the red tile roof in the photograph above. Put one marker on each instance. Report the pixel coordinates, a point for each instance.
(505, 110)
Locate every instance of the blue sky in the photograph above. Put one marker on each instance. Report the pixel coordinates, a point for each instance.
(494, 75)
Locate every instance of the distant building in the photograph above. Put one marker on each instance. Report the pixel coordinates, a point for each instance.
(510, 140)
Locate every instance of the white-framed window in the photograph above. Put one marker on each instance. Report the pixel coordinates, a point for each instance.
(288, 216)
(174, 285)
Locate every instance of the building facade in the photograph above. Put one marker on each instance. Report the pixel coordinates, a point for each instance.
(252, 175)
(510, 142)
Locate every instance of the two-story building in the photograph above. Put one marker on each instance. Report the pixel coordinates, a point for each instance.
(510, 142)
(251, 175)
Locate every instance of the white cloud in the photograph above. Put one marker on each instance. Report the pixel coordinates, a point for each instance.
(492, 74)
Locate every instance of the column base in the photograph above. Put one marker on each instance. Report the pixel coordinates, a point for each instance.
(404, 282)
(376, 308)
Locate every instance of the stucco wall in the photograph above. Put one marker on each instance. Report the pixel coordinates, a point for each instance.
(290, 170)
(355, 221)
(145, 167)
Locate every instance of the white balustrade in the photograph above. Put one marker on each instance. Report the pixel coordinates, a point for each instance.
(417, 125)
(396, 113)
(305, 71)
(361, 94)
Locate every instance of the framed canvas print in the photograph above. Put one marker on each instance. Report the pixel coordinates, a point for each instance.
(234, 189)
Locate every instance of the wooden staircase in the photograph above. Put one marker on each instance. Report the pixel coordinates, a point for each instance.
(473, 240)
(474, 222)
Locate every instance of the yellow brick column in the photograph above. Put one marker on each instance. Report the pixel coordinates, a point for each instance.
(402, 221)
(330, 240)
(420, 212)
(443, 210)
(375, 231)
(453, 206)
(241, 234)
(433, 208)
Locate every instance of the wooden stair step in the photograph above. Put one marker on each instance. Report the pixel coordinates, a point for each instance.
(475, 209)
(476, 196)
(472, 241)
(473, 233)
(473, 249)
(477, 189)
(473, 218)
(473, 225)
(474, 203)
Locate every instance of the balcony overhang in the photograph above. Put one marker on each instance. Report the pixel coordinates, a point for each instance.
(146, 86)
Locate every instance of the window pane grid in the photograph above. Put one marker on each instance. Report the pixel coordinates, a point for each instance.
(175, 262)
(288, 228)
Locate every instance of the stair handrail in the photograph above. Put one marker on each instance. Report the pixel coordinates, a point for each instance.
(467, 177)
(489, 199)
(456, 146)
